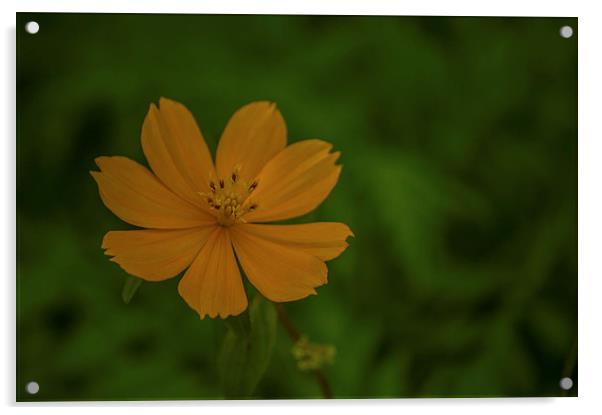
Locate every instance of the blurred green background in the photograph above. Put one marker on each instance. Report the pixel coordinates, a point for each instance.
(459, 145)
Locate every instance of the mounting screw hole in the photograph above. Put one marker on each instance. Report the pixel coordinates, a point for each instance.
(32, 388)
(32, 27)
(566, 383)
(566, 32)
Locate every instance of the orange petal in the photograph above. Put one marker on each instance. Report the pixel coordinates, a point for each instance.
(277, 271)
(325, 240)
(136, 196)
(176, 150)
(155, 255)
(212, 285)
(254, 135)
(295, 181)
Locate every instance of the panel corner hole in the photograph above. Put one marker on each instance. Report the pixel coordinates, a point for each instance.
(32, 27)
(32, 387)
(566, 32)
(566, 383)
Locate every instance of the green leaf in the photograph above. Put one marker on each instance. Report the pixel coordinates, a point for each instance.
(239, 325)
(246, 349)
(130, 287)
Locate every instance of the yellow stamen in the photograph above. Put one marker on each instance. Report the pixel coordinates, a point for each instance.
(227, 199)
(312, 356)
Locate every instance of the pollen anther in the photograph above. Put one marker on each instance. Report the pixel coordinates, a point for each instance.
(227, 202)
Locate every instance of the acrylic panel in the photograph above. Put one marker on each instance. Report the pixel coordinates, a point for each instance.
(292, 207)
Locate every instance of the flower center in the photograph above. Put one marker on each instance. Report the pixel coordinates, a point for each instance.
(227, 198)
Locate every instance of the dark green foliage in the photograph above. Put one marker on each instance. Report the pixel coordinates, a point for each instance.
(246, 349)
(130, 286)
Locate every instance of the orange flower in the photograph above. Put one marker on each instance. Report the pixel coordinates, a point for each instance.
(198, 215)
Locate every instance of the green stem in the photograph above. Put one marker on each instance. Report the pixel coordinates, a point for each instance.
(294, 334)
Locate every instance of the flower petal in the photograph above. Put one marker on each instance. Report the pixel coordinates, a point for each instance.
(325, 240)
(136, 196)
(295, 181)
(176, 150)
(277, 271)
(213, 285)
(254, 134)
(155, 255)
